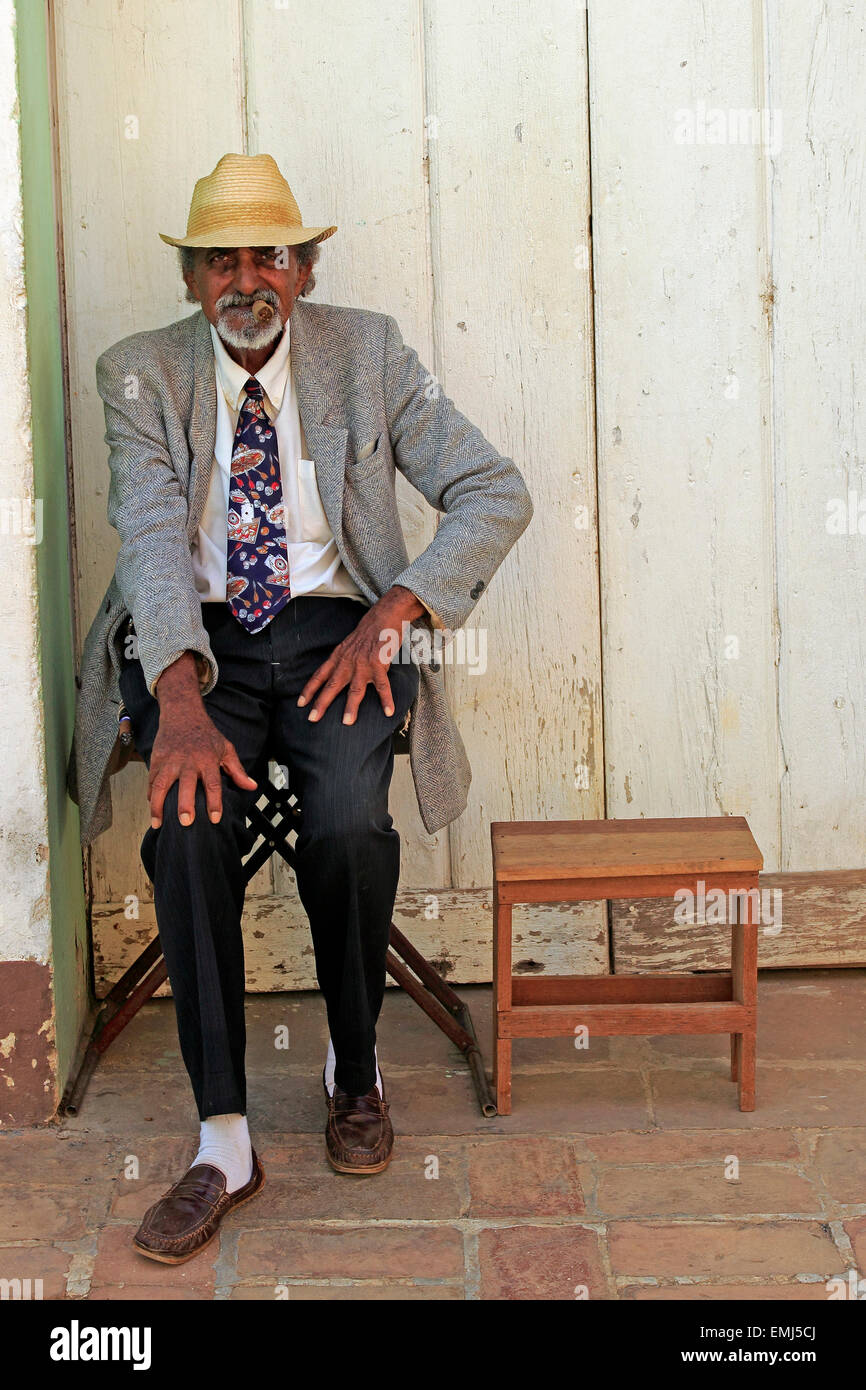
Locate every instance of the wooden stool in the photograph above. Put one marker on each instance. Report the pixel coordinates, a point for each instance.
(571, 861)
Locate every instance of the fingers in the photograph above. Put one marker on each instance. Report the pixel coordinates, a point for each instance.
(383, 685)
(161, 783)
(318, 677)
(357, 691)
(186, 796)
(360, 679)
(188, 757)
(235, 769)
(327, 694)
(187, 779)
(157, 792)
(213, 793)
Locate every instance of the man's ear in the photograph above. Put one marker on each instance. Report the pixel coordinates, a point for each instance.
(304, 276)
(189, 281)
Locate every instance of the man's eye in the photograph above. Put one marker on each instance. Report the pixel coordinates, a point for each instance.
(268, 254)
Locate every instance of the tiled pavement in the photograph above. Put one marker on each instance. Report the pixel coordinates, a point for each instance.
(624, 1172)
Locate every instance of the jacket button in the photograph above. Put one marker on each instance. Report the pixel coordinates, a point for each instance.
(473, 593)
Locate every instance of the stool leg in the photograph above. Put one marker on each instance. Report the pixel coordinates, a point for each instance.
(501, 1002)
(748, 1049)
(744, 969)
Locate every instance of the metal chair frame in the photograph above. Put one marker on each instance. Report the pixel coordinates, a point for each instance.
(274, 823)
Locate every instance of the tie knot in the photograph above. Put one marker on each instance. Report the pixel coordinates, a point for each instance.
(253, 388)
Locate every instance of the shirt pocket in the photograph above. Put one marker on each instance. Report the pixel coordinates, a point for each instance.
(314, 522)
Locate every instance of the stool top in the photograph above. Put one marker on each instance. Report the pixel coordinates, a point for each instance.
(553, 849)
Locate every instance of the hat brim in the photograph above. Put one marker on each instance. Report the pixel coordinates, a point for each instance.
(252, 236)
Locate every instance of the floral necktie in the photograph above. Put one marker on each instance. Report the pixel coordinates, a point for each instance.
(257, 563)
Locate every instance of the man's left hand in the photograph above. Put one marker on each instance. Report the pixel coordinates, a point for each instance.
(357, 661)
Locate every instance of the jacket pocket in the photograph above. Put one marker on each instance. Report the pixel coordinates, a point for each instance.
(378, 463)
(366, 450)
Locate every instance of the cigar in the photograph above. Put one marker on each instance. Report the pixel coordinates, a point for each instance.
(263, 311)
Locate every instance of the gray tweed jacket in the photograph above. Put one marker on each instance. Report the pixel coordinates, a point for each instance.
(367, 405)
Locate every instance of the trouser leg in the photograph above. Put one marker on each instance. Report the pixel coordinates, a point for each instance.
(199, 885)
(348, 867)
(347, 851)
(199, 891)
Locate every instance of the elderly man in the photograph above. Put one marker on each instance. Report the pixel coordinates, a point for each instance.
(261, 580)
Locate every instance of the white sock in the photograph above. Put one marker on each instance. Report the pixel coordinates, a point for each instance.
(331, 1063)
(225, 1143)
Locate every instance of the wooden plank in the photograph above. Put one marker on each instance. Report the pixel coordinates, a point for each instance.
(374, 187)
(807, 920)
(744, 972)
(817, 76)
(744, 955)
(502, 998)
(614, 1020)
(453, 929)
(609, 989)
(630, 886)
(502, 951)
(506, 94)
(653, 848)
(682, 364)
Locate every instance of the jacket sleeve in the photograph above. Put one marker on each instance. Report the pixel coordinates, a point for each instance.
(148, 509)
(482, 494)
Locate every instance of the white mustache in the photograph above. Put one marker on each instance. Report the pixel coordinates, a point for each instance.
(247, 301)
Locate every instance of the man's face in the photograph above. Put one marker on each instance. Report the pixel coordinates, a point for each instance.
(227, 282)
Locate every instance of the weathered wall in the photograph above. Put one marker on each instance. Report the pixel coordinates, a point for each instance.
(42, 920)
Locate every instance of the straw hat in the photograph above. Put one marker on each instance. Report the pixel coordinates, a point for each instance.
(245, 202)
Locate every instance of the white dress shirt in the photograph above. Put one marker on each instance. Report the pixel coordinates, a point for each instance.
(315, 566)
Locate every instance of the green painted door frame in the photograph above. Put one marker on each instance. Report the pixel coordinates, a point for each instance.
(70, 964)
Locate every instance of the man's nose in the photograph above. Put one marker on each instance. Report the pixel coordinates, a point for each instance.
(247, 278)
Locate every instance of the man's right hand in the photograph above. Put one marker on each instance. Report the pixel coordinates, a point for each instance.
(188, 747)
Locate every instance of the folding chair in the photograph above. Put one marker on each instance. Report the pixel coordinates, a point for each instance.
(274, 822)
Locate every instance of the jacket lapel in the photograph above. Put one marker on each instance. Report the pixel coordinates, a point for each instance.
(326, 442)
(202, 425)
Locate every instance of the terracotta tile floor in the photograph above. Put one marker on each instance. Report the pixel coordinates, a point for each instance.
(624, 1172)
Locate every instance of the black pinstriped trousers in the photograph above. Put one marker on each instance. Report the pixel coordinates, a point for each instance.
(348, 852)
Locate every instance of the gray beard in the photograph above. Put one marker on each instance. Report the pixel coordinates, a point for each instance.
(257, 336)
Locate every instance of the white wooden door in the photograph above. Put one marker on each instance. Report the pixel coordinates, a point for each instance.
(622, 213)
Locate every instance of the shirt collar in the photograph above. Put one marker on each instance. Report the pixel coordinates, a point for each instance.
(272, 377)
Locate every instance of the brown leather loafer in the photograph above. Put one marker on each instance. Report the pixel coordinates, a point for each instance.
(187, 1218)
(359, 1137)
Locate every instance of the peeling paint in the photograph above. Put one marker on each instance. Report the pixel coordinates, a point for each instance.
(729, 713)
